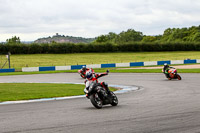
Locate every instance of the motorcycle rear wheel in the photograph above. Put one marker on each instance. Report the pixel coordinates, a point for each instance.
(96, 101)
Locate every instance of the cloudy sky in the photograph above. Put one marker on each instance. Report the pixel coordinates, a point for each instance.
(33, 19)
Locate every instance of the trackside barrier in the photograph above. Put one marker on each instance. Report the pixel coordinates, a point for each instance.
(63, 67)
(137, 64)
(131, 64)
(30, 69)
(94, 66)
(122, 64)
(51, 68)
(189, 61)
(177, 62)
(150, 63)
(107, 65)
(163, 62)
(6, 70)
(77, 67)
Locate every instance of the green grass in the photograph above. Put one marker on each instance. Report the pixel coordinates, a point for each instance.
(35, 60)
(26, 91)
(42, 72)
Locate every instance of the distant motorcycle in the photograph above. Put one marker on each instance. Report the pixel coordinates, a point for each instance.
(173, 74)
(99, 96)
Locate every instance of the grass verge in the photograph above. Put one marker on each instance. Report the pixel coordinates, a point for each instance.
(27, 91)
(35, 60)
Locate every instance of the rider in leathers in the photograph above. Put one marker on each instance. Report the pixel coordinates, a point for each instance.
(166, 69)
(91, 76)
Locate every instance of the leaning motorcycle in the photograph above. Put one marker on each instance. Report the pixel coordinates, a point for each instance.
(173, 74)
(99, 96)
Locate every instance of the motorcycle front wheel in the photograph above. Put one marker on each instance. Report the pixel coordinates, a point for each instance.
(96, 101)
(114, 99)
(178, 76)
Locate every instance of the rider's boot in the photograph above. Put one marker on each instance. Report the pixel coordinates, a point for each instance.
(105, 85)
(86, 93)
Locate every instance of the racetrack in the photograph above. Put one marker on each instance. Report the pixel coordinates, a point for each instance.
(160, 106)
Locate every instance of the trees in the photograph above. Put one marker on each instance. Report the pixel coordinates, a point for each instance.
(123, 37)
(13, 40)
(110, 37)
(129, 36)
(191, 34)
(149, 39)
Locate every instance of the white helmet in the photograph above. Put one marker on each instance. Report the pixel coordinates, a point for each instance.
(83, 68)
(165, 64)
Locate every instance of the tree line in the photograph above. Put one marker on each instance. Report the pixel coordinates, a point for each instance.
(191, 34)
(63, 48)
(175, 39)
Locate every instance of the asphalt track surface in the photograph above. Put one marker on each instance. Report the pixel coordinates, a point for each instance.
(160, 106)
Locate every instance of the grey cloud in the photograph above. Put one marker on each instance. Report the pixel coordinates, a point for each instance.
(90, 18)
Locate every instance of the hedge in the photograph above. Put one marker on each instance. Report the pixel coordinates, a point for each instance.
(61, 48)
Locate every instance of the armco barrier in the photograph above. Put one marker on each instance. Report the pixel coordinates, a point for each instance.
(77, 67)
(6, 70)
(150, 63)
(30, 69)
(177, 62)
(51, 68)
(189, 61)
(163, 62)
(94, 66)
(107, 65)
(122, 64)
(137, 64)
(131, 64)
(63, 68)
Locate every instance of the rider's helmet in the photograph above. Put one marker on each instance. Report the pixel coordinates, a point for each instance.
(166, 65)
(84, 68)
(89, 74)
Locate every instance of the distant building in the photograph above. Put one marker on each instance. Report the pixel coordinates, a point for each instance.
(57, 35)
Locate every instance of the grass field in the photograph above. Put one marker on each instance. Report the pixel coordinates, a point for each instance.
(25, 91)
(35, 60)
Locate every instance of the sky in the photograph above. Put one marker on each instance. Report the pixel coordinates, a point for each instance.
(33, 19)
